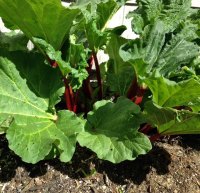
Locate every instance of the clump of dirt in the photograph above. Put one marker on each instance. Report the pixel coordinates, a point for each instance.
(172, 166)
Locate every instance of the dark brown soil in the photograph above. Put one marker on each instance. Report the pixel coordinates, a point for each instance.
(173, 166)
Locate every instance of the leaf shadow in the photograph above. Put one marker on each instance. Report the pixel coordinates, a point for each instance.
(84, 163)
(135, 171)
(191, 141)
(9, 162)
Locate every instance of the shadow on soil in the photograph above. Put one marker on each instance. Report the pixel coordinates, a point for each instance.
(137, 170)
(84, 162)
(191, 141)
(122, 173)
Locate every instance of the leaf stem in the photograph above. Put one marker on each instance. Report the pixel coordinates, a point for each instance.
(98, 74)
(145, 129)
(133, 89)
(155, 137)
(75, 102)
(53, 63)
(136, 92)
(68, 97)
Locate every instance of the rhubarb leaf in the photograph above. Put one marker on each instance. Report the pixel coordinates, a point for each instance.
(167, 33)
(168, 93)
(143, 53)
(171, 12)
(177, 52)
(172, 122)
(96, 16)
(75, 72)
(120, 83)
(113, 46)
(13, 41)
(111, 131)
(34, 140)
(48, 20)
(28, 87)
(119, 74)
(144, 14)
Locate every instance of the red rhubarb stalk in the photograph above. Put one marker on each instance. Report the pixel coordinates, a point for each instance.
(75, 102)
(135, 92)
(145, 129)
(68, 97)
(155, 137)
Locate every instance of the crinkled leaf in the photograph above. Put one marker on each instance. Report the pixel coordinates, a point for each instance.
(69, 123)
(168, 37)
(143, 53)
(28, 87)
(175, 12)
(168, 93)
(13, 41)
(177, 52)
(172, 122)
(40, 18)
(147, 11)
(171, 12)
(77, 54)
(155, 42)
(76, 73)
(34, 140)
(54, 55)
(111, 131)
(146, 55)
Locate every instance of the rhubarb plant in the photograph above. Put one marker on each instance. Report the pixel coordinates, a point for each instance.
(58, 95)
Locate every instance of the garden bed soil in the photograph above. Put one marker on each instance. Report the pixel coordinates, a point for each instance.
(172, 166)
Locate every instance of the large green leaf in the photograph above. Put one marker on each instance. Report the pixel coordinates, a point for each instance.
(112, 131)
(155, 41)
(29, 91)
(168, 93)
(177, 52)
(143, 52)
(28, 87)
(145, 13)
(120, 74)
(96, 14)
(46, 19)
(156, 52)
(175, 12)
(167, 33)
(172, 122)
(13, 41)
(34, 140)
(105, 11)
